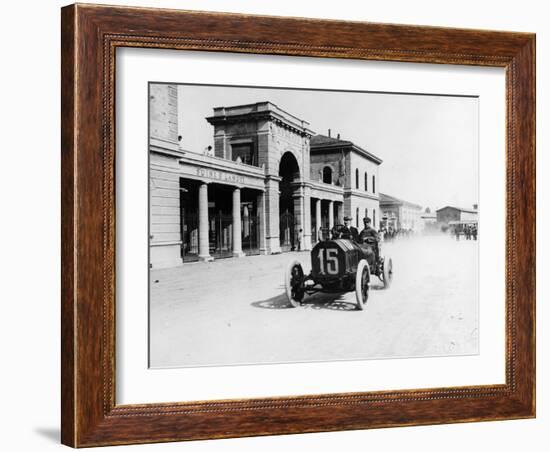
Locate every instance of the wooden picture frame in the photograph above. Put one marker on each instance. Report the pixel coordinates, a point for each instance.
(90, 36)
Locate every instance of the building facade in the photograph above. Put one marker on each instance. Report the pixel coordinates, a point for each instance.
(353, 174)
(258, 191)
(456, 214)
(399, 214)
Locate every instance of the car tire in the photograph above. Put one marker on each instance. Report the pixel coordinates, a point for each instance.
(362, 281)
(388, 273)
(294, 283)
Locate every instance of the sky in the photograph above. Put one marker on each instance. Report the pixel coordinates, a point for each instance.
(428, 143)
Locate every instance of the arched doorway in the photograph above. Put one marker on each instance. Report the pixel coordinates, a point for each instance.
(289, 171)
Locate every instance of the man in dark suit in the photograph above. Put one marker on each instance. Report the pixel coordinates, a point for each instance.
(347, 231)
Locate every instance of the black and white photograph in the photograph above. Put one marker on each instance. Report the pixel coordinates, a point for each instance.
(293, 225)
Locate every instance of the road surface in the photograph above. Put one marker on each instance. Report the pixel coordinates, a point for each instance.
(234, 311)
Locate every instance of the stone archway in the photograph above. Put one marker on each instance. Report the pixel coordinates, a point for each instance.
(290, 204)
(289, 172)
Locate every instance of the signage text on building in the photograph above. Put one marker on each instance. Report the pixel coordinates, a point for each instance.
(221, 176)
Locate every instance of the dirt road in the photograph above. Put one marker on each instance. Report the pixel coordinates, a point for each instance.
(235, 311)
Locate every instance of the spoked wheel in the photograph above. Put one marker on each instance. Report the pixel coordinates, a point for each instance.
(362, 281)
(388, 273)
(294, 283)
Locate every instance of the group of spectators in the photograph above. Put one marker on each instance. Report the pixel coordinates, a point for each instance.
(390, 234)
(469, 231)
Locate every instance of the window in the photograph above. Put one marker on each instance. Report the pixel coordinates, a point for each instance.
(373, 184)
(243, 153)
(357, 211)
(374, 218)
(327, 175)
(356, 178)
(366, 212)
(366, 182)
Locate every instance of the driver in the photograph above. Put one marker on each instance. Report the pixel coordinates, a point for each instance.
(369, 232)
(347, 231)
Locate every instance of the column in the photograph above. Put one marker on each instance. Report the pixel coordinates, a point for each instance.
(272, 239)
(307, 219)
(340, 214)
(318, 219)
(237, 244)
(260, 202)
(204, 246)
(331, 214)
(298, 200)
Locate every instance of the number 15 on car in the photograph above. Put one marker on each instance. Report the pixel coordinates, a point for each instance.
(328, 261)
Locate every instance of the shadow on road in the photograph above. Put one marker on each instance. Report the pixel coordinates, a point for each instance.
(278, 302)
(333, 302)
(376, 287)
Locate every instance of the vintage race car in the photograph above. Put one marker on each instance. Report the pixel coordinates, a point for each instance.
(339, 265)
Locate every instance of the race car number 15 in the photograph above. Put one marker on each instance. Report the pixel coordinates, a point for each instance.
(328, 261)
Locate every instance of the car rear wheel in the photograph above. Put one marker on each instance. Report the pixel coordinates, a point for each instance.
(294, 283)
(388, 273)
(362, 281)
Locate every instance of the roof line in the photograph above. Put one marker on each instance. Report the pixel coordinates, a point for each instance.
(338, 143)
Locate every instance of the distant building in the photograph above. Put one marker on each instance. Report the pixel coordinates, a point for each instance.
(449, 214)
(400, 214)
(428, 222)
